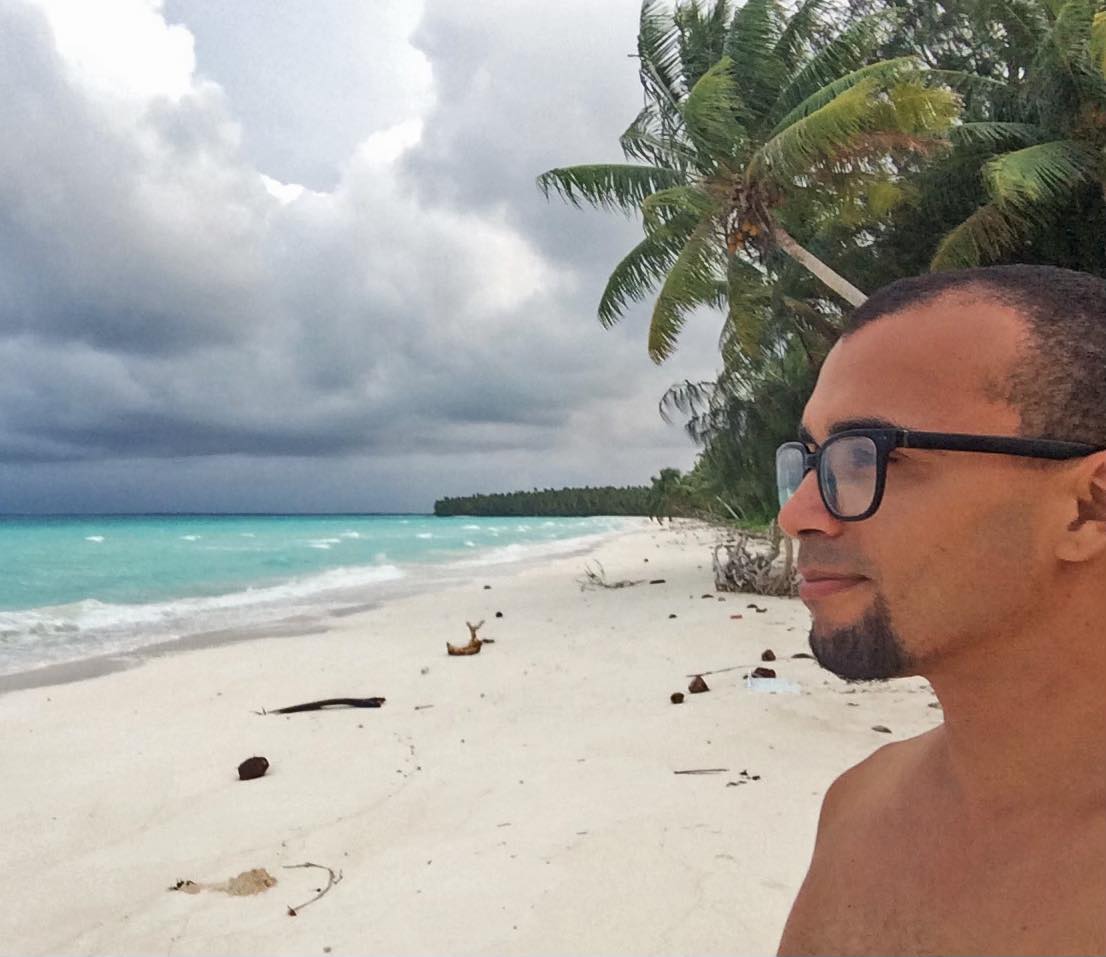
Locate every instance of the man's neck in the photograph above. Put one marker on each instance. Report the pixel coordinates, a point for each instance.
(1025, 730)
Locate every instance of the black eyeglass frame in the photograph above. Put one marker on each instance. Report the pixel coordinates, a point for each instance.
(887, 440)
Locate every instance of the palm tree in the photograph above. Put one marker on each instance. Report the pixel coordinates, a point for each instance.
(740, 420)
(753, 123)
(1045, 125)
(669, 495)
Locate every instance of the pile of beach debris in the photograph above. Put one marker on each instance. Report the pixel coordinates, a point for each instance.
(763, 565)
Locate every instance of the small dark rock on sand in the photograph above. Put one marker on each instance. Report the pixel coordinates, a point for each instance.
(487, 588)
(499, 614)
(757, 608)
(768, 655)
(880, 727)
(803, 654)
(677, 697)
(657, 581)
(252, 768)
(764, 673)
(698, 685)
(672, 616)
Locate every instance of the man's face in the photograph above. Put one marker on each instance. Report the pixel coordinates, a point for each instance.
(955, 556)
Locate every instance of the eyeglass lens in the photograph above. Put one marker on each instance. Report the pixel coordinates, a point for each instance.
(848, 474)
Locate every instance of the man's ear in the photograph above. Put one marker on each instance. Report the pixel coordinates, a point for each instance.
(1085, 537)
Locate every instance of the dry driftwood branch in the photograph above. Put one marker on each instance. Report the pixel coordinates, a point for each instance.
(327, 703)
(751, 564)
(598, 579)
(332, 879)
(473, 647)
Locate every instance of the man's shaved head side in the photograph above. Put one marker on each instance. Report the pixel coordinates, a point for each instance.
(1058, 384)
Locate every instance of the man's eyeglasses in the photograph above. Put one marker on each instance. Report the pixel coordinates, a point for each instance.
(852, 465)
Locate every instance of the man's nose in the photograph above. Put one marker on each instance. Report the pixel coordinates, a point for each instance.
(806, 512)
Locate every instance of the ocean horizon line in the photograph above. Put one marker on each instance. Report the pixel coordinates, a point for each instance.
(4, 515)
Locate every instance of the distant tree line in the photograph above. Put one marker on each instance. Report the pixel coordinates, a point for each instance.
(604, 500)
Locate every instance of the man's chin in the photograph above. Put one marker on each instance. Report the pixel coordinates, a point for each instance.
(867, 650)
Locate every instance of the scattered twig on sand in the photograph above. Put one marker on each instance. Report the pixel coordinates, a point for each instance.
(594, 579)
(332, 879)
(717, 671)
(327, 703)
(703, 771)
(473, 647)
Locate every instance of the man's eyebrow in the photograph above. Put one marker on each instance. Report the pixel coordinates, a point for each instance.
(844, 425)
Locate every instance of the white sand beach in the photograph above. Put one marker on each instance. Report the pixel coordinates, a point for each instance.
(519, 801)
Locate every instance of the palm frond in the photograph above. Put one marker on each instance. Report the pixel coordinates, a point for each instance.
(996, 134)
(754, 34)
(750, 305)
(1061, 67)
(846, 53)
(974, 88)
(608, 186)
(639, 271)
(702, 37)
(1036, 178)
(1098, 42)
(687, 398)
(985, 236)
(882, 74)
(646, 140)
(660, 208)
(816, 136)
(710, 110)
(798, 34)
(658, 48)
(689, 283)
(883, 195)
(1023, 21)
(904, 115)
(1071, 33)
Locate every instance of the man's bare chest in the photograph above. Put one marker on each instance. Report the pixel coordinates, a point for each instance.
(911, 886)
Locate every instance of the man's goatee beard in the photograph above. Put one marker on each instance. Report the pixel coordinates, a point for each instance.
(869, 650)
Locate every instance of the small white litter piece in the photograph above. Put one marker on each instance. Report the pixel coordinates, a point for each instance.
(772, 685)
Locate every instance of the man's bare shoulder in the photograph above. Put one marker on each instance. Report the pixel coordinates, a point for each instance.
(894, 872)
(879, 774)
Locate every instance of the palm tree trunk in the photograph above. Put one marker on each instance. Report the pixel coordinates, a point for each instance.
(839, 284)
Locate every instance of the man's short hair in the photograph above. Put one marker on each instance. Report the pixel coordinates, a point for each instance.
(1058, 384)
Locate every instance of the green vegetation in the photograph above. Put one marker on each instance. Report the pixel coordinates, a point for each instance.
(752, 129)
(606, 500)
(668, 496)
(786, 159)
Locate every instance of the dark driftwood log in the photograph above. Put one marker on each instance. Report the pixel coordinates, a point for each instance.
(328, 703)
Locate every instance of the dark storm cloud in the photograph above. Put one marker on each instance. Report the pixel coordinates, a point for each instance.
(519, 93)
(102, 240)
(163, 315)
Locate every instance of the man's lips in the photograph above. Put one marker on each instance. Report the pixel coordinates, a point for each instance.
(819, 585)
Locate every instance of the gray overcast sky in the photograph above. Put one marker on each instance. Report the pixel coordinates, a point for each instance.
(290, 256)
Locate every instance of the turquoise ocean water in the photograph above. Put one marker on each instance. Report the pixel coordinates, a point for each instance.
(79, 587)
